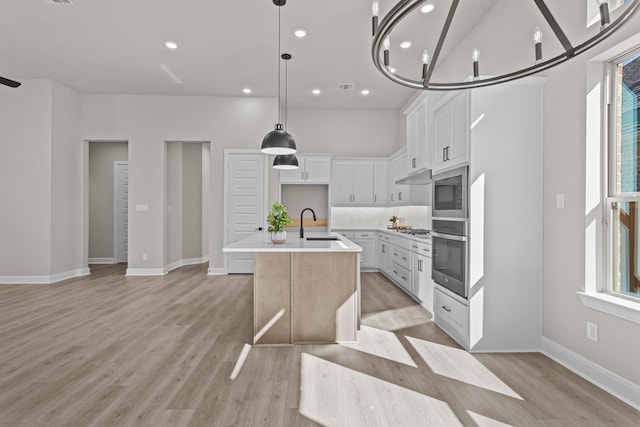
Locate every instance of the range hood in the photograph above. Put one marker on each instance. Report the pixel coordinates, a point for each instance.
(419, 177)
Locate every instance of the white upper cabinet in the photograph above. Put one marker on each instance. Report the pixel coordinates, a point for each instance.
(380, 182)
(359, 182)
(312, 170)
(399, 194)
(451, 132)
(417, 135)
(352, 183)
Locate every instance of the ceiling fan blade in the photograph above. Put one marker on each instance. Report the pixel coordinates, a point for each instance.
(10, 83)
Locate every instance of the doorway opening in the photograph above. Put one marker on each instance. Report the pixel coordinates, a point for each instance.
(108, 202)
(187, 203)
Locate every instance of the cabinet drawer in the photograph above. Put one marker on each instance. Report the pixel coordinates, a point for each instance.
(401, 275)
(347, 234)
(364, 234)
(401, 241)
(386, 237)
(450, 309)
(421, 248)
(401, 257)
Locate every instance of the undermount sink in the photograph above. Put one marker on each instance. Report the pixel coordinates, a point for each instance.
(323, 238)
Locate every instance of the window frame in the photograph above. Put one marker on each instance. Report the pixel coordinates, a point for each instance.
(612, 196)
(601, 298)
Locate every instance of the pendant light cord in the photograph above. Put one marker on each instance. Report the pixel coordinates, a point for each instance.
(286, 95)
(279, 103)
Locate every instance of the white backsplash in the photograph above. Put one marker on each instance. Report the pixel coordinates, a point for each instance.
(415, 216)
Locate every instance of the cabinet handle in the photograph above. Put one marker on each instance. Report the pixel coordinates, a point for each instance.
(420, 265)
(383, 250)
(414, 246)
(404, 258)
(413, 162)
(399, 195)
(375, 198)
(444, 154)
(404, 278)
(446, 308)
(448, 152)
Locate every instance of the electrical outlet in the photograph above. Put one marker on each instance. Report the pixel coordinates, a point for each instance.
(592, 332)
(145, 257)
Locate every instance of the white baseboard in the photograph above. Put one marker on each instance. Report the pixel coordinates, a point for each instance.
(183, 262)
(145, 272)
(43, 279)
(102, 261)
(217, 272)
(609, 381)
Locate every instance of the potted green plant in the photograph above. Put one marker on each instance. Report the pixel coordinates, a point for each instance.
(278, 218)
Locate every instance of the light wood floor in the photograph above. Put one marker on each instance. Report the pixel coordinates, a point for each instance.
(106, 350)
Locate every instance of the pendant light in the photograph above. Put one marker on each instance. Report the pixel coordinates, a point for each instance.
(278, 141)
(285, 161)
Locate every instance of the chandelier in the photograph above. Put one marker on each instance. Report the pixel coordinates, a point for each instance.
(382, 55)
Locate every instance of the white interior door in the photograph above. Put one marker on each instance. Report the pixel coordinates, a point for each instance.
(121, 211)
(245, 204)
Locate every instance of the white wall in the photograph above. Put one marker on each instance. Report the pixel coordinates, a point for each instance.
(565, 125)
(192, 201)
(228, 122)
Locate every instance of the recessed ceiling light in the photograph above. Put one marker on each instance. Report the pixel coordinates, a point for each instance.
(246, 90)
(365, 91)
(405, 44)
(316, 91)
(392, 70)
(300, 33)
(171, 45)
(427, 8)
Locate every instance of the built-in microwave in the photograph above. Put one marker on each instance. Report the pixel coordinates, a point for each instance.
(450, 194)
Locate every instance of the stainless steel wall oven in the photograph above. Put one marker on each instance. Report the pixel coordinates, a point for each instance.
(449, 267)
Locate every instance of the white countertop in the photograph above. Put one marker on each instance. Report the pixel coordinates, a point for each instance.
(261, 242)
(392, 231)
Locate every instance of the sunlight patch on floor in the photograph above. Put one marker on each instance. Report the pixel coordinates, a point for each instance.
(400, 318)
(459, 365)
(483, 421)
(333, 395)
(383, 344)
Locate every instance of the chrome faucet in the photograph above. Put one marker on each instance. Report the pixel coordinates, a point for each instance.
(314, 219)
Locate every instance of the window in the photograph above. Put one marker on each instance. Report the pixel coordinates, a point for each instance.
(624, 177)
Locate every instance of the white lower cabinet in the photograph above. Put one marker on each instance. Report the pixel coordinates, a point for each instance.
(367, 241)
(421, 282)
(452, 316)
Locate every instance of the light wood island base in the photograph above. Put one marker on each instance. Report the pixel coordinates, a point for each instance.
(317, 290)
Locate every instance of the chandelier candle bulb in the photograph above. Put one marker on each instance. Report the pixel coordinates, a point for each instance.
(387, 45)
(604, 13)
(375, 12)
(537, 39)
(475, 56)
(425, 65)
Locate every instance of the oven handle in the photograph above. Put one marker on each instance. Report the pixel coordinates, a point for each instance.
(449, 236)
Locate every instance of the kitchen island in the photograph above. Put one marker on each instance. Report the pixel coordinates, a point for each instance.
(304, 290)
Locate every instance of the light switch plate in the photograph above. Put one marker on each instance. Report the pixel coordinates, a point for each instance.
(560, 200)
